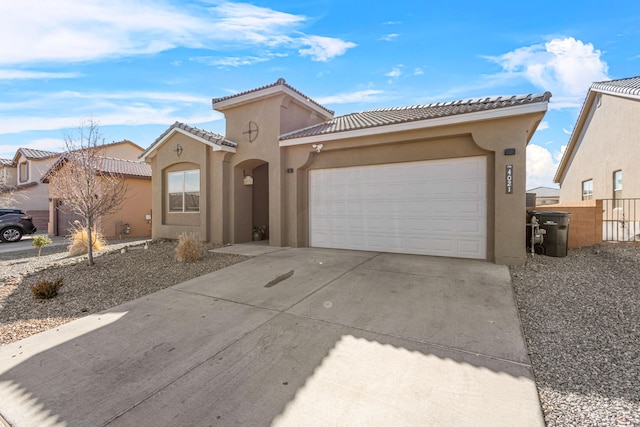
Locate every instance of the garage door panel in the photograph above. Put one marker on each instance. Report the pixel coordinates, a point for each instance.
(429, 207)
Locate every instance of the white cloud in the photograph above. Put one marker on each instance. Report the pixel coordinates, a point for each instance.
(230, 61)
(566, 131)
(389, 37)
(564, 66)
(71, 31)
(418, 71)
(369, 95)
(323, 48)
(109, 108)
(31, 75)
(541, 166)
(395, 72)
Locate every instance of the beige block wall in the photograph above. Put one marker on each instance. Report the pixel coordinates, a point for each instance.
(609, 142)
(585, 223)
(122, 150)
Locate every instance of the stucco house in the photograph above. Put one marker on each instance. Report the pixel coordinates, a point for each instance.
(133, 218)
(546, 195)
(445, 179)
(21, 175)
(601, 158)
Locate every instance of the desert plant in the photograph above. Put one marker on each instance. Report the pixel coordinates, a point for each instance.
(45, 289)
(40, 242)
(189, 248)
(80, 240)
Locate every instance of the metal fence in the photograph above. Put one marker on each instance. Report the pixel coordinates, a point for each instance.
(621, 220)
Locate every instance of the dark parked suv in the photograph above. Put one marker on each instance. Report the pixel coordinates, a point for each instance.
(14, 223)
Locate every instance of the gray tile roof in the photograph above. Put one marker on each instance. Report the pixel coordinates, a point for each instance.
(279, 82)
(629, 86)
(30, 153)
(204, 134)
(545, 191)
(390, 116)
(6, 162)
(125, 167)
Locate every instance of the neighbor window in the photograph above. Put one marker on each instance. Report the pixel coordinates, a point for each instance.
(24, 172)
(617, 185)
(184, 191)
(587, 190)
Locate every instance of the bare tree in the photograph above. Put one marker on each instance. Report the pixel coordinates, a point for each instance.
(82, 181)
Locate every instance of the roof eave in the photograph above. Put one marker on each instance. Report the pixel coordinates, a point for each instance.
(216, 147)
(268, 92)
(538, 107)
(573, 139)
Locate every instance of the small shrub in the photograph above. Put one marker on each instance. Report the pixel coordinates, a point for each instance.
(45, 289)
(80, 241)
(189, 248)
(40, 241)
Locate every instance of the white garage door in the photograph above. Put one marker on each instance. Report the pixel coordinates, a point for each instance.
(435, 207)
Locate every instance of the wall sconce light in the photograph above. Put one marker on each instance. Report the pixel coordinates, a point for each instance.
(178, 150)
(248, 179)
(317, 147)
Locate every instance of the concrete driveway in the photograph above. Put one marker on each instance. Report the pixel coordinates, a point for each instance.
(293, 337)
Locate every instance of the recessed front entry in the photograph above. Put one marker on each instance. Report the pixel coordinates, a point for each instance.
(435, 207)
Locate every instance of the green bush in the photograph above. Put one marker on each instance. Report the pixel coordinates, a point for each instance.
(40, 241)
(45, 289)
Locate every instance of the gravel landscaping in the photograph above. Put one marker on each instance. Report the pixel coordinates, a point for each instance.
(114, 279)
(581, 320)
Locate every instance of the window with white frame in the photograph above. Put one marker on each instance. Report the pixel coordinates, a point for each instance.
(184, 191)
(587, 189)
(617, 185)
(24, 172)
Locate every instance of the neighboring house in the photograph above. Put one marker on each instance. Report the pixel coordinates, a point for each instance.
(133, 219)
(444, 179)
(546, 195)
(23, 176)
(7, 176)
(602, 156)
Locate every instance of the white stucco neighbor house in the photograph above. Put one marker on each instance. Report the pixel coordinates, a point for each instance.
(602, 156)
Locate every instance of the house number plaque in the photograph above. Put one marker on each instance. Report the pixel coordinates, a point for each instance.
(509, 179)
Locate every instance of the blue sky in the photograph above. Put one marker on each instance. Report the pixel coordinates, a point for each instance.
(137, 66)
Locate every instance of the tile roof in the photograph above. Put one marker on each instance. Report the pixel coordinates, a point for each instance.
(628, 86)
(204, 134)
(6, 162)
(30, 153)
(545, 191)
(390, 116)
(125, 167)
(279, 82)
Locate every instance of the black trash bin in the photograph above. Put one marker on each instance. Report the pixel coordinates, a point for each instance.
(556, 241)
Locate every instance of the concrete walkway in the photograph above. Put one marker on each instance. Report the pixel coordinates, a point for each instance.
(291, 337)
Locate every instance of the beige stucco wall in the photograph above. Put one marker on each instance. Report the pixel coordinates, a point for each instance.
(8, 175)
(608, 142)
(228, 207)
(194, 155)
(505, 229)
(121, 150)
(36, 197)
(132, 211)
